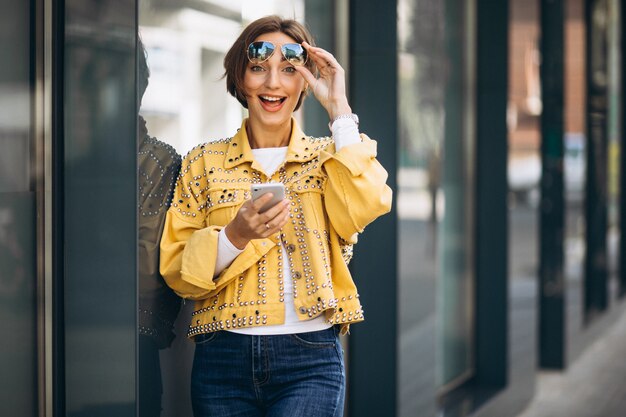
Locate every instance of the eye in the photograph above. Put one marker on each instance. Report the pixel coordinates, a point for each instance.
(289, 69)
(256, 68)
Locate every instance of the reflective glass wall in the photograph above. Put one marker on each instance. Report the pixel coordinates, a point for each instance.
(592, 190)
(434, 202)
(18, 220)
(97, 207)
(614, 130)
(524, 174)
(574, 160)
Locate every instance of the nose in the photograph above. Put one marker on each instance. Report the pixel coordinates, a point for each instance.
(272, 79)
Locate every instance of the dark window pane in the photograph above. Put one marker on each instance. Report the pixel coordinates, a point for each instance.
(100, 208)
(435, 183)
(18, 350)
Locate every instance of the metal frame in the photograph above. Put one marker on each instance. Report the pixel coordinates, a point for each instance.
(374, 344)
(622, 204)
(342, 35)
(469, 149)
(596, 199)
(552, 206)
(491, 210)
(42, 27)
(467, 75)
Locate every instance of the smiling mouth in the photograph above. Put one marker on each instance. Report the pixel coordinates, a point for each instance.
(272, 104)
(272, 100)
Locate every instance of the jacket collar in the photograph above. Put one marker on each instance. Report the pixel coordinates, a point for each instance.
(300, 148)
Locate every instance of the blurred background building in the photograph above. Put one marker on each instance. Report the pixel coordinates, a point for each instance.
(501, 126)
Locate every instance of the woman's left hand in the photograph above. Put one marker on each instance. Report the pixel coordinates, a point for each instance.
(330, 88)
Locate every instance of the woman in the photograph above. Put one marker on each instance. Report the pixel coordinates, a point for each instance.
(272, 288)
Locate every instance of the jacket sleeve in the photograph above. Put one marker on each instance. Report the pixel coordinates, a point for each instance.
(356, 192)
(158, 165)
(189, 244)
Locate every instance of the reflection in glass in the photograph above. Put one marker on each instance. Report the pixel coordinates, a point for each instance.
(574, 167)
(158, 165)
(18, 350)
(524, 174)
(99, 210)
(434, 181)
(613, 137)
(597, 201)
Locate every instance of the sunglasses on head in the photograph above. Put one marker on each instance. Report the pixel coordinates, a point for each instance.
(261, 51)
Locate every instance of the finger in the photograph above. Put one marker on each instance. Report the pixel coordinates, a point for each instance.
(249, 205)
(314, 53)
(309, 48)
(275, 225)
(314, 49)
(260, 202)
(274, 211)
(246, 209)
(320, 61)
(307, 75)
(283, 221)
(262, 229)
(323, 58)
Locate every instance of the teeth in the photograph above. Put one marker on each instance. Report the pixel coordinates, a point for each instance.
(270, 98)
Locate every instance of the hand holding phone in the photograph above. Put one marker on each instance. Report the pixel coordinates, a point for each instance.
(250, 223)
(276, 188)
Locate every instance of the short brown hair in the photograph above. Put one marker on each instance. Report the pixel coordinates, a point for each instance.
(236, 59)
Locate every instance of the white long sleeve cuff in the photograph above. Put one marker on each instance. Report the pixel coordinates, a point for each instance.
(345, 132)
(226, 252)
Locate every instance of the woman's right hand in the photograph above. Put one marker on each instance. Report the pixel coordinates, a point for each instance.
(249, 224)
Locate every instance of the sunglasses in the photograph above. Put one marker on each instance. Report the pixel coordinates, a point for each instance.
(261, 51)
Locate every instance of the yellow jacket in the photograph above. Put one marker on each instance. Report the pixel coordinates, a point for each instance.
(333, 196)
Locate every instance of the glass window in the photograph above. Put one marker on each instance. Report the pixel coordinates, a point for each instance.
(18, 350)
(574, 164)
(435, 184)
(613, 133)
(98, 202)
(524, 174)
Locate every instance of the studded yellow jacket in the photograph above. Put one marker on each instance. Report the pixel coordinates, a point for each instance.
(333, 196)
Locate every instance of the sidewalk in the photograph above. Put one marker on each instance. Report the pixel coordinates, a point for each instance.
(593, 386)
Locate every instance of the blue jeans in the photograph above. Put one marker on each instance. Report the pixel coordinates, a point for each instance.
(294, 375)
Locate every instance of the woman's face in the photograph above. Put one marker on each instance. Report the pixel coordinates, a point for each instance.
(272, 87)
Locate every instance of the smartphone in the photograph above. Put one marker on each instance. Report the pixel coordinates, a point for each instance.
(276, 188)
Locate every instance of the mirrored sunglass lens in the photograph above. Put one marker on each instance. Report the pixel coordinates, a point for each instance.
(260, 51)
(294, 53)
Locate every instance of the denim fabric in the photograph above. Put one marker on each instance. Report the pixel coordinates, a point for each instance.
(293, 375)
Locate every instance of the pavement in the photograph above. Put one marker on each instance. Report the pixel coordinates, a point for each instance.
(593, 386)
